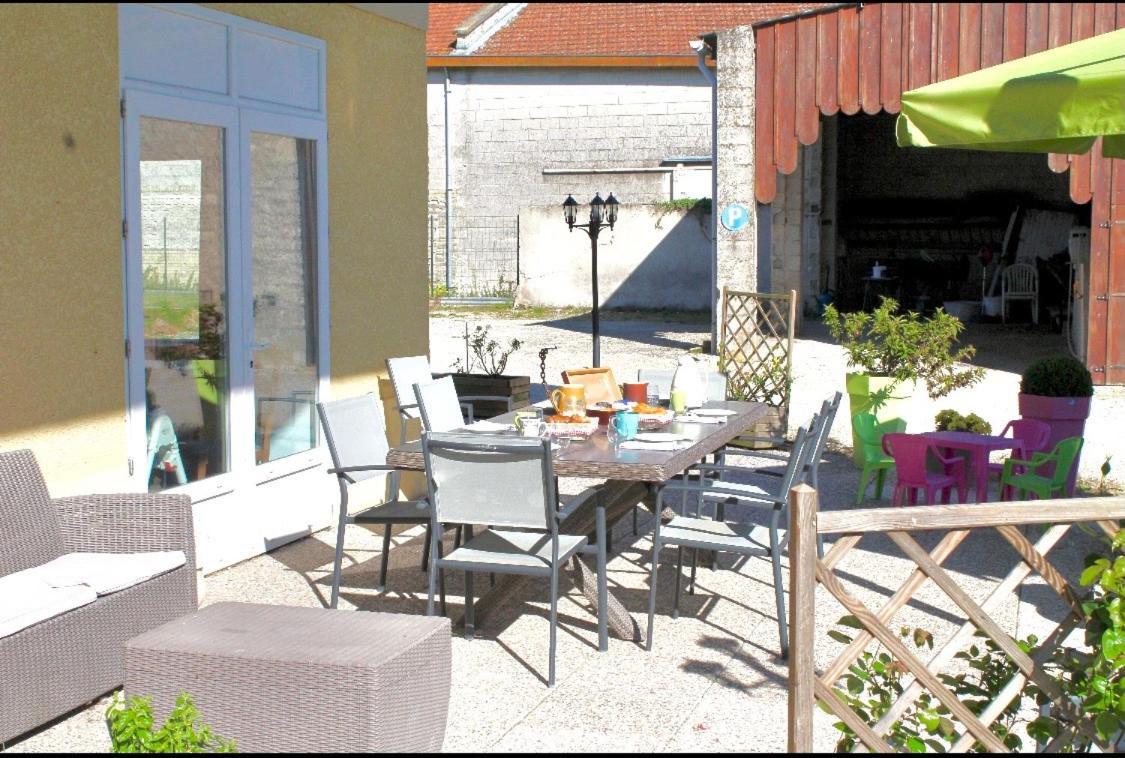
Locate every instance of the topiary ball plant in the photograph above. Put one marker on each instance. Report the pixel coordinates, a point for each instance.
(1057, 376)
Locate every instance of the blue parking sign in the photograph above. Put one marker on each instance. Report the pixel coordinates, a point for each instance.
(735, 216)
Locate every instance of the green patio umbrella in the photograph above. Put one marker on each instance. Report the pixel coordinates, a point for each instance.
(1056, 101)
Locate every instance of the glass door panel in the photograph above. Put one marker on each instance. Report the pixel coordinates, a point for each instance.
(184, 291)
(283, 213)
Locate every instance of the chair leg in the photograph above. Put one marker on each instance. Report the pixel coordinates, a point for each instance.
(337, 564)
(386, 554)
(880, 477)
(468, 605)
(441, 579)
(863, 477)
(426, 549)
(457, 537)
(652, 589)
(434, 571)
(635, 533)
(554, 623)
(679, 571)
(694, 562)
(778, 588)
(945, 493)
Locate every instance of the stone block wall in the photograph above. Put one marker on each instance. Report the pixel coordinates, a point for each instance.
(508, 125)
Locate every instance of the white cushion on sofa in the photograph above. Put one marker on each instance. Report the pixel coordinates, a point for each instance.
(109, 572)
(26, 598)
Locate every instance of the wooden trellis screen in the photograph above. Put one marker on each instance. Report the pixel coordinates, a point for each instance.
(756, 352)
(806, 570)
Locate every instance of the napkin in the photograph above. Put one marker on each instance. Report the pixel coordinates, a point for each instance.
(654, 446)
(489, 426)
(691, 419)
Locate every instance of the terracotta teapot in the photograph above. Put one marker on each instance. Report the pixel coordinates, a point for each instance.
(569, 400)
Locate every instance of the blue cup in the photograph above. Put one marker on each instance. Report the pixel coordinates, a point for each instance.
(626, 424)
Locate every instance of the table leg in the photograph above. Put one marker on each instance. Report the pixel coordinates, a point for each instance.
(980, 462)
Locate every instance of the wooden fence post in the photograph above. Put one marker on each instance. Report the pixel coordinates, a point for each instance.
(802, 619)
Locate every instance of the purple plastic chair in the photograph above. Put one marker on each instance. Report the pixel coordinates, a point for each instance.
(909, 452)
(1033, 433)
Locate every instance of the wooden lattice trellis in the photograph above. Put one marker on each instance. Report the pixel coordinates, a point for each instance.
(806, 570)
(756, 353)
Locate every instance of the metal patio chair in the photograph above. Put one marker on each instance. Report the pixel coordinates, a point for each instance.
(508, 485)
(357, 441)
(719, 535)
(415, 369)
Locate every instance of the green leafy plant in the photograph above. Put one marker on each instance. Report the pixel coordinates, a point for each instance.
(905, 346)
(1092, 677)
(1057, 376)
(875, 681)
(131, 728)
(486, 352)
(951, 421)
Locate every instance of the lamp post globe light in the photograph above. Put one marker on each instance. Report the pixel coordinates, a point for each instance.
(603, 213)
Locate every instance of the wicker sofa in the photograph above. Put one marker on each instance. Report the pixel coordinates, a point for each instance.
(57, 665)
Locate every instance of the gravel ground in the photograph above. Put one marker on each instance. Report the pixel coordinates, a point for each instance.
(714, 680)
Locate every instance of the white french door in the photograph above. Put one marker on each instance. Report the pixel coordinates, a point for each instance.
(226, 316)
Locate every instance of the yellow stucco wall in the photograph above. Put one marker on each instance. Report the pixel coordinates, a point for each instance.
(62, 379)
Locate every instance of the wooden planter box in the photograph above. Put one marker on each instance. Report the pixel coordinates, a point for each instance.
(773, 424)
(518, 388)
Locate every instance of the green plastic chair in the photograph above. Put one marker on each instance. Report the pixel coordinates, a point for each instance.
(870, 432)
(1043, 487)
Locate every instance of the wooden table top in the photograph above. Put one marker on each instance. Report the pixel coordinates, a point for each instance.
(596, 458)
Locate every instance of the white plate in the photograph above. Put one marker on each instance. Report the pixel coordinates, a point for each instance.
(489, 427)
(660, 437)
(712, 412)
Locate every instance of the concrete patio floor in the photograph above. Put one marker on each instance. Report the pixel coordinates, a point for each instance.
(713, 681)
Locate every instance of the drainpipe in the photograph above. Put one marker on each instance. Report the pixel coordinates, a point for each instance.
(448, 194)
(700, 48)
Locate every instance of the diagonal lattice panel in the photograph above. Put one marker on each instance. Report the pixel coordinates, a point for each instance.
(807, 570)
(756, 346)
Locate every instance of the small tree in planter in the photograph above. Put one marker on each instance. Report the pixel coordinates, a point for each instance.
(892, 352)
(1057, 391)
(491, 358)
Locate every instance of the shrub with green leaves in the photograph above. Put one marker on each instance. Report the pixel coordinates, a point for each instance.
(875, 681)
(905, 346)
(951, 421)
(131, 728)
(486, 352)
(1057, 376)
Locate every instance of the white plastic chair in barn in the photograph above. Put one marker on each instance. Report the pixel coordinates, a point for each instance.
(1020, 282)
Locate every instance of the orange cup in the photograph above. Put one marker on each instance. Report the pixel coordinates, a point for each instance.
(636, 392)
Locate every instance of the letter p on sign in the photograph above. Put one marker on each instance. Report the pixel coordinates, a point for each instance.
(735, 216)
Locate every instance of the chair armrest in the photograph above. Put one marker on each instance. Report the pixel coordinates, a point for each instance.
(956, 461)
(711, 487)
(127, 523)
(343, 471)
(1036, 461)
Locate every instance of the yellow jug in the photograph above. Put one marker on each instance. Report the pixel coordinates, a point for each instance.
(569, 400)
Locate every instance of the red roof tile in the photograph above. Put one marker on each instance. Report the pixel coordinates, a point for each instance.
(603, 29)
(443, 19)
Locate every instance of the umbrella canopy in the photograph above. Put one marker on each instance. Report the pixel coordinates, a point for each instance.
(1056, 101)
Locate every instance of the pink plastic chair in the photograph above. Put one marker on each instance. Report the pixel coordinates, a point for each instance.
(909, 452)
(1035, 436)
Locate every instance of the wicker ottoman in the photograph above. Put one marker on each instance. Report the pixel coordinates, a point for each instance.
(281, 679)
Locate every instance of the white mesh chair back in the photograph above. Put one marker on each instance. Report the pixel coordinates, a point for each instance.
(405, 373)
(715, 382)
(1020, 279)
(437, 399)
(356, 434)
(500, 481)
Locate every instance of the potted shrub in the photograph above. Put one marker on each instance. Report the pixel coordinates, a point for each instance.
(894, 351)
(1057, 391)
(491, 359)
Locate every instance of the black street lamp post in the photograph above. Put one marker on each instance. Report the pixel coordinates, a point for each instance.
(603, 213)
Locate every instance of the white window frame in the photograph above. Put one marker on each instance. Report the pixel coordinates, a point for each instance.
(238, 115)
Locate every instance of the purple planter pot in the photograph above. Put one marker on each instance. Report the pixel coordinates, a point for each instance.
(1065, 415)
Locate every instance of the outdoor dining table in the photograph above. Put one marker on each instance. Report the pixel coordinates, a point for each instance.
(979, 445)
(630, 477)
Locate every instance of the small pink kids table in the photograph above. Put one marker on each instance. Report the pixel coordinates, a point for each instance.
(980, 445)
